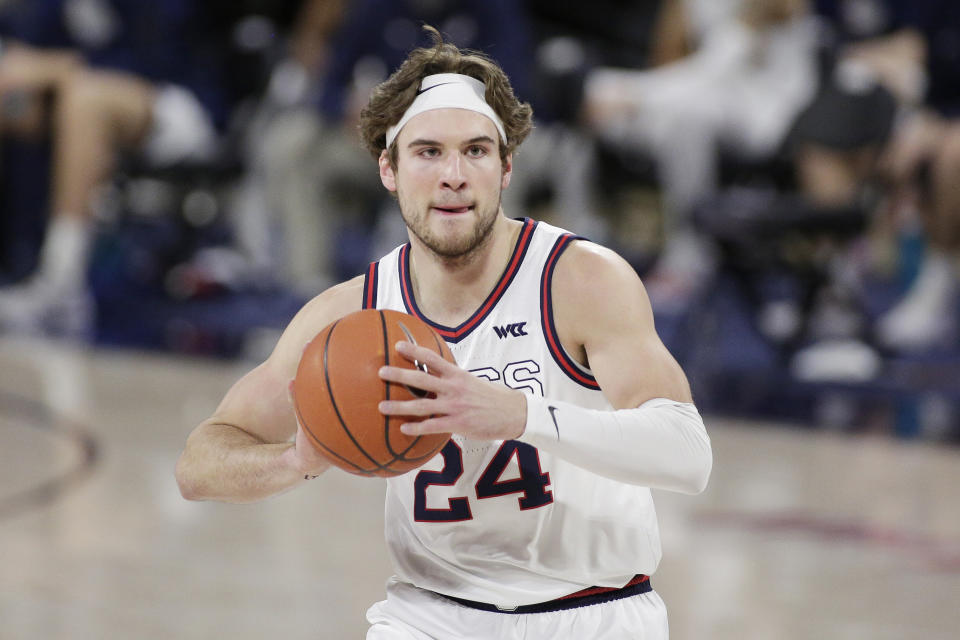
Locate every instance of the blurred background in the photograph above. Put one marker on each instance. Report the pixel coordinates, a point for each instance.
(178, 177)
(183, 176)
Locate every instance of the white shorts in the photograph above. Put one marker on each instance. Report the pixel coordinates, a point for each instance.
(410, 613)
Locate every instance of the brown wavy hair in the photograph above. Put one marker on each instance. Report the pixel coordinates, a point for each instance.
(390, 99)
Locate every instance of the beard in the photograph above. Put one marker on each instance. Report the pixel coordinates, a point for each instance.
(451, 247)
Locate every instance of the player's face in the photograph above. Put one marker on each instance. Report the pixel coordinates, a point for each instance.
(448, 179)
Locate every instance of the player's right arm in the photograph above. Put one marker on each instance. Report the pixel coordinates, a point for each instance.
(252, 447)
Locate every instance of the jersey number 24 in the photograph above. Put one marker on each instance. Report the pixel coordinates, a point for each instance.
(532, 483)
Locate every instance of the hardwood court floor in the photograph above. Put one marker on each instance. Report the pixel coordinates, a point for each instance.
(801, 534)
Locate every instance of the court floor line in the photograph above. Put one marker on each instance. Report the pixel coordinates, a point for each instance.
(941, 555)
(36, 415)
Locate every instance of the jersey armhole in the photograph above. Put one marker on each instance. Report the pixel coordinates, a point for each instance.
(568, 365)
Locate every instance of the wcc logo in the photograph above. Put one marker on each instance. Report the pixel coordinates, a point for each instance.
(514, 330)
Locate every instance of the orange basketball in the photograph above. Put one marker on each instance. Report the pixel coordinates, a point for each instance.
(336, 392)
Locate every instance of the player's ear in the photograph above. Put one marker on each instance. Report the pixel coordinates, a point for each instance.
(387, 175)
(507, 171)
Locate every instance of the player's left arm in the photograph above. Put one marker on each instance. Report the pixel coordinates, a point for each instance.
(655, 436)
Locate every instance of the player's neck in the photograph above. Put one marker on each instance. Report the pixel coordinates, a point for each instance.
(448, 292)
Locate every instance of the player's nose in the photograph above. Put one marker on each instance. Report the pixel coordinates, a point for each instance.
(452, 175)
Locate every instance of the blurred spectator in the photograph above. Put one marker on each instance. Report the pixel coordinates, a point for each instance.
(107, 77)
(905, 53)
(559, 182)
(277, 227)
(320, 189)
(927, 315)
(734, 76)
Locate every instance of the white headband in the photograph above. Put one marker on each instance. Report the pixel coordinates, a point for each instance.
(448, 91)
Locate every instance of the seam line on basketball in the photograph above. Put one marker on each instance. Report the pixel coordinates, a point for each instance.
(317, 442)
(333, 401)
(398, 456)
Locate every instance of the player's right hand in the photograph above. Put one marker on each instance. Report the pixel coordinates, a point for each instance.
(307, 458)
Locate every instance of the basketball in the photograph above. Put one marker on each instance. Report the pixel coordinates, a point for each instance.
(336, 391)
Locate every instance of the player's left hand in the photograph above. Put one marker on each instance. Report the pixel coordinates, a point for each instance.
(462, 403)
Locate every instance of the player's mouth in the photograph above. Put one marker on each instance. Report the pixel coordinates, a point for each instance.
(449, 210)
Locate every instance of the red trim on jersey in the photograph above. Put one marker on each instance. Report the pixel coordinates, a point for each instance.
(592, 591)
(586, 597)
(455, 334)
(560, 356)
(370, 286)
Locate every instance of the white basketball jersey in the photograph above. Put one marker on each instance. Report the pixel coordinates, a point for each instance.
(500, 521)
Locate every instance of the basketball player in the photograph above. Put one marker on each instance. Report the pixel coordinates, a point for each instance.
(536, 519)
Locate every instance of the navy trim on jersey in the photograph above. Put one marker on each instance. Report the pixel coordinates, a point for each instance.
(370, 281)
(588, 597)
(456, 334)
(569, 366)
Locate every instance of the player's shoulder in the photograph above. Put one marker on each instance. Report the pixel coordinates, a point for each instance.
(326, 307)
(331, 304)
(338, 300)
(597, 295)
(587, 266)
(593, 286)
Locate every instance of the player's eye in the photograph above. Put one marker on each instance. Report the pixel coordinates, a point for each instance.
(476, 151)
